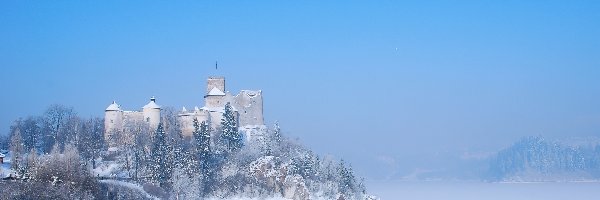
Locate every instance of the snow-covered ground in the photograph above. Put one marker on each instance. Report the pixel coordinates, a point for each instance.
(483, 191)
(246, 198)
(5, 170)
(106, 170)
(131, 186)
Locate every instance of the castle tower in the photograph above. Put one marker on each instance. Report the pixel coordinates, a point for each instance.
(250, 107)
(113, 119)
(215, 92)
(215, 82)
(151, 112)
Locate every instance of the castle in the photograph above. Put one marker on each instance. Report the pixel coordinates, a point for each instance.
(247, 107)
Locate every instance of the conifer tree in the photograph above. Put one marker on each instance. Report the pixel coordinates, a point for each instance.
(277, 133)
(202, 138)
(203, 145)
(160, 158)
(232, 136)
(347, 181)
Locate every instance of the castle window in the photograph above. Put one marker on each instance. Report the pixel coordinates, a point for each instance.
(147, 119)
(111, 121)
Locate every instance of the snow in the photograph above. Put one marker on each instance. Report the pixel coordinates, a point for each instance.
(216, 92)
(152, 105)
(475, 190)
(229, 170)
(113, 149)
(253, 132)
(265, 167)
(106, 169)
(247, 198)
(113, 107)
(5, 170)
(129, 185)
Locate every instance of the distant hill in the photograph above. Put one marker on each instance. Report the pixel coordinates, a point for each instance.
(537, 159)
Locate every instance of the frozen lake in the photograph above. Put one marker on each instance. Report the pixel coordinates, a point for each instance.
(481, 190)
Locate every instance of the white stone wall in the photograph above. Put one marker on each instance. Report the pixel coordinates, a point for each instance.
(187, 121)
(214, 101)
(249, 105)
(130, 117)
(113, 121)
(152, 117)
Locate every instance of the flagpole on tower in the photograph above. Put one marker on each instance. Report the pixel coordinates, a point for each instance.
(216, 65)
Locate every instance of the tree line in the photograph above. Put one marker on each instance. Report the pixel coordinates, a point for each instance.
(219, 162)
(222, 163)
(536, 158)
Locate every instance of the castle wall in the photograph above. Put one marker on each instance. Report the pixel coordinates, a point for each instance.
(250, 107)
(113, 121)
(152, 117)
(187, 121)
(132, 118)
(216, 115)
(214, 101)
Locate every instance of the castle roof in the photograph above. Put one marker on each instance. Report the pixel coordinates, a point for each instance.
(216, 92)
(113, 107)
(152, 104)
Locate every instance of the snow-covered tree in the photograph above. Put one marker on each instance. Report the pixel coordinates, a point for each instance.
(161, 166)
(17, 149)
(230, 133)
(32, 163)
(270, 143)
(63, 168)
(203, 145)
(4, 142)
(31, 132)
(141, 154)
(204, 154)
(535, 155)
(347, 181)
(277, 133)
(184, 186)
(90, 140)
(213, 164)
(54, 121)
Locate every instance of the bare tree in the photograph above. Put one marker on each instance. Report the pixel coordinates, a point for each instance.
(54, 121)
(90, 140)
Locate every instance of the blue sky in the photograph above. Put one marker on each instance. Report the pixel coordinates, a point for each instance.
(407, 81)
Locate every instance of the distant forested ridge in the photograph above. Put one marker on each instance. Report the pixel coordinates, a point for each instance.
(536, 159)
